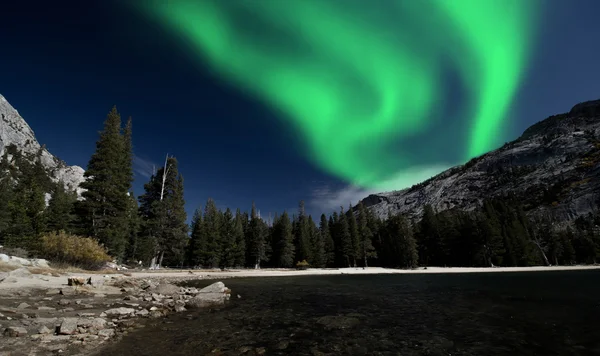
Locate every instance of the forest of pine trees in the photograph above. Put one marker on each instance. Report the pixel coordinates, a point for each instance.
(152, 228)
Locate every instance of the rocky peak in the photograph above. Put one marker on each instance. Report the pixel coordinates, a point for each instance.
(554, 166)
(14, 130)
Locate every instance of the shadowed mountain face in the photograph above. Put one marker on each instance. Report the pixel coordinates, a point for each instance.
(14, 131)
(554, 167)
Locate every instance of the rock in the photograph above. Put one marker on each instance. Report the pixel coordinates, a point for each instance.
(3, 276)
(53, 291)
(64, 302)
(106, 333)
(15, 331)
(99, 295)
(15, 131)
(260, 351)
(282, 345)
(217, 287)
(44, 330)
(119, 312)
(68, 326)
(23, 306)
(166, 289)
(42, 308)
(86, 315)
(68, 291)
(180, 308)
(204, 300)
(98, 324)
(142, 312)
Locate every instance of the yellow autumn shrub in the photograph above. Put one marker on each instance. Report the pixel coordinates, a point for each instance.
(64, 248)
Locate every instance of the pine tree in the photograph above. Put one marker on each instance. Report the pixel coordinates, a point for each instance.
(60, 212)
(103, 211)
(162, 209)
(6, 196)
(365, 234)
(228, 240)
(354, 236)
(302, 235)
(134, 225)
(197, 240)
(257, 232)
(345, 240)
(283, 247)
(317, 256)
(211, 255)
(240, 239)
(327, 240)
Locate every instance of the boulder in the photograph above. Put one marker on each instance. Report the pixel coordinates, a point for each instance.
(166, 289)
(218, 287)
(68, 326)
(119, 311)
(15, 331)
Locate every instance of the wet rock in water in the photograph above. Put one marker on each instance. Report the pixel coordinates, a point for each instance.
(282, 345)
(180, 308)
(214, 295)
(260, 351)
(118, 312)
(23, 306)
(338, 322)
(218, 287)
(68, 326)
(42, 308)
(106, 333)
(142, 312)
(15, 331)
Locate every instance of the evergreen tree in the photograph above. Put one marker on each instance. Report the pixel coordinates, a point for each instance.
(283, 247)
(162, 209)
(240, 239)
(134, 220)
(60, 212)
(302, 235)
(365, 243)
(213, 220)
(257, 232)
(354, 237)
(197, 243)
(345, 240)
(6, 196)
(317, 256)
(327, 240)
(228, 240)
(103, 211)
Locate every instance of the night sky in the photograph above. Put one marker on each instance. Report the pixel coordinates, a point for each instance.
(63, 65)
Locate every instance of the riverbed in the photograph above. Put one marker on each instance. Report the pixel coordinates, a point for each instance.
(524, 313)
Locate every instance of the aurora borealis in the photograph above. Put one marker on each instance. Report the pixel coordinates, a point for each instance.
(358, 77)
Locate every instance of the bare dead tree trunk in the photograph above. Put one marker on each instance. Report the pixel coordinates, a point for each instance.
(164, 178)
(539, 246)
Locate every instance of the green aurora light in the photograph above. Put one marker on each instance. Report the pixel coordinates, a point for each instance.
(357, 76)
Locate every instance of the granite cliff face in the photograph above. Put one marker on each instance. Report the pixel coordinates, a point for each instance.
(15, 131)
(554, 167)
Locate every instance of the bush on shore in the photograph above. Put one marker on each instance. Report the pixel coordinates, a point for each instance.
(63, 248)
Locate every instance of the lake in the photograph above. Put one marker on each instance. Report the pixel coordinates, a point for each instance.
(515, 313)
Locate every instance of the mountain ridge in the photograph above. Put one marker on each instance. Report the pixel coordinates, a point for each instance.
(14, 130)
(554, 166)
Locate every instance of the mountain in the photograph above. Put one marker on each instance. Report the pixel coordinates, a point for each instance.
(15, 131)
(553, 168)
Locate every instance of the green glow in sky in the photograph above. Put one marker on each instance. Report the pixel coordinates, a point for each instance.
(356, 77)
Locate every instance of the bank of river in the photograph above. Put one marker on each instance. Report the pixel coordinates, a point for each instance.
(525, 313)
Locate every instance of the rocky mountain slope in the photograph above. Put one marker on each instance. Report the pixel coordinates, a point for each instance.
(15, 131)
(554, 167)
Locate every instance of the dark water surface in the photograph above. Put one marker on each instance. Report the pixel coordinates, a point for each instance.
(519, 313)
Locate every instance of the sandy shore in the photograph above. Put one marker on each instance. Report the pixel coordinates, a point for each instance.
(47, 282)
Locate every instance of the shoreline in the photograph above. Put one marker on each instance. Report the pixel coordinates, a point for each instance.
(46, 281)
(35, 307)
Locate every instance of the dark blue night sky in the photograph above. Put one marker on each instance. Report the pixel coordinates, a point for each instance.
(63, 65)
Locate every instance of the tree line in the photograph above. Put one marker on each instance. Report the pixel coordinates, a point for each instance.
(152, 228)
